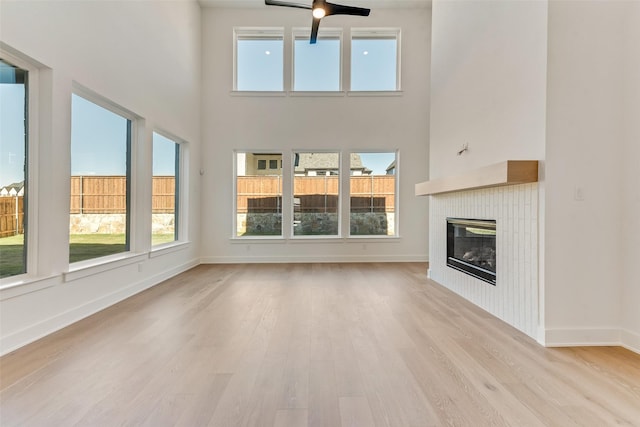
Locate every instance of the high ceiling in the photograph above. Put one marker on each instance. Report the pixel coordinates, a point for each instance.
(361, 3)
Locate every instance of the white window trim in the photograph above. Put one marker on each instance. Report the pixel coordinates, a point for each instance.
(255, 33)
(396, 216)
(341, 187)
(381, 33)
(31, 152)
(302, 33)
(234, 195)
(183, 178)
(136, 121)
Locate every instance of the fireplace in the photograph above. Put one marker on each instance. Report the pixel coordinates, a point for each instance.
(471, 247)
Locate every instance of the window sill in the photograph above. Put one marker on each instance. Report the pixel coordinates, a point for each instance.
(25, 284)
(257, 93)
(90, 267)
(258, 239)
(375, 93)
(168, 248)
(318, 93)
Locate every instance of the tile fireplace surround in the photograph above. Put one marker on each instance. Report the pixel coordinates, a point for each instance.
(514, 207)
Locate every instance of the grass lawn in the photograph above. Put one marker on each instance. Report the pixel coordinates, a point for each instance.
(81, 247)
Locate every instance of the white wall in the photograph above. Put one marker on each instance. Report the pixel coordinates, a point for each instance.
(588, 297)
(145, 57)
(631, 180)
(288, 122)
(488, 83)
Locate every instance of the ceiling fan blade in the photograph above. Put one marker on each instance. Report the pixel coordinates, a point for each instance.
(314, 30)
(286, 4)
(338, 9)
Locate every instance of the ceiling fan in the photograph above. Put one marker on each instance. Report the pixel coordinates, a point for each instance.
(320, 9)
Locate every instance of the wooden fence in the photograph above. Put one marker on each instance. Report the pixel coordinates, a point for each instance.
(11, 216)
(263, 194)
(108, 194)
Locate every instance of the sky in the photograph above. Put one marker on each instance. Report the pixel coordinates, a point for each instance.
(99, 136)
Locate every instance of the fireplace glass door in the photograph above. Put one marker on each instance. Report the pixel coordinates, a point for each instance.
(471, 247)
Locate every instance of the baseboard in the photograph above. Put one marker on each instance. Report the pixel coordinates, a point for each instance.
(582, 337)
(43, 328)
(630, 340)
(310, 259)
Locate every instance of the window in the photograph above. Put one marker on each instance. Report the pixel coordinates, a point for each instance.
(258, 59)
(100, 179)
(373, 194)
(165, 190)
(258, 195)
(13, 169)
(316, 67)
(374, 59)
(316, 193)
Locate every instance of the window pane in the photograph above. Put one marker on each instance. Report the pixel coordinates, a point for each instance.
(259, 64)
(100, 158)
(13, 157)
(373, 64)
(317, 66)
(316, 185)
(258, 195)
(165, 190)
(373, 188)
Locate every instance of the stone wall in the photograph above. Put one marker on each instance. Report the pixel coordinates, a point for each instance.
(270, 224)
(116, 223)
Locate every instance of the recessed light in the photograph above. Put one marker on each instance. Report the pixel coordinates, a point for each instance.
(267, 52)
(366, 52)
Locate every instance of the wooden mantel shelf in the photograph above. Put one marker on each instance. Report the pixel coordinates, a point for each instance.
(510, 172)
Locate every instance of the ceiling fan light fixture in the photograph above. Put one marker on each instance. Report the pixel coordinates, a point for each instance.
(319, 12)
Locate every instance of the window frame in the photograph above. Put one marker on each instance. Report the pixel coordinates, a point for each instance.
(396, 217)
(134, 123)
(179, 236)
(257, 33)
(377, 33)
(291, 197)
(303, 33)
(31, 199)
(234, 195)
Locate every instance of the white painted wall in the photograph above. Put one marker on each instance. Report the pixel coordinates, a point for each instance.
(144, 56)
(588, 297)
(488, 83)
(631, 180)
(289, 122)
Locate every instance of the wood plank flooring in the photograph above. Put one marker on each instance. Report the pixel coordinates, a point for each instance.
(310, 345)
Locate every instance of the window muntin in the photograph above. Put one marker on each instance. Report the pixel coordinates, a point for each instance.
(100, 181)
(13, 169)
(165, 193)
(372, 195)
(375, 60)
(317, 67)
(258, 195)
(316, 193)
(259, 59)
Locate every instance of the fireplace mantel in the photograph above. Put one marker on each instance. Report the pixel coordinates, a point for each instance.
(510, 172)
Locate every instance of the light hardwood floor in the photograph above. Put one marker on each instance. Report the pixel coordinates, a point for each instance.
(310, 345)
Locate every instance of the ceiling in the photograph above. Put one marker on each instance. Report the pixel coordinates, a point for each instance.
(373, 4)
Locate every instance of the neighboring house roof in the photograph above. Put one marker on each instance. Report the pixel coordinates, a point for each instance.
(16, 188)
(391, 168)
(326, 161)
